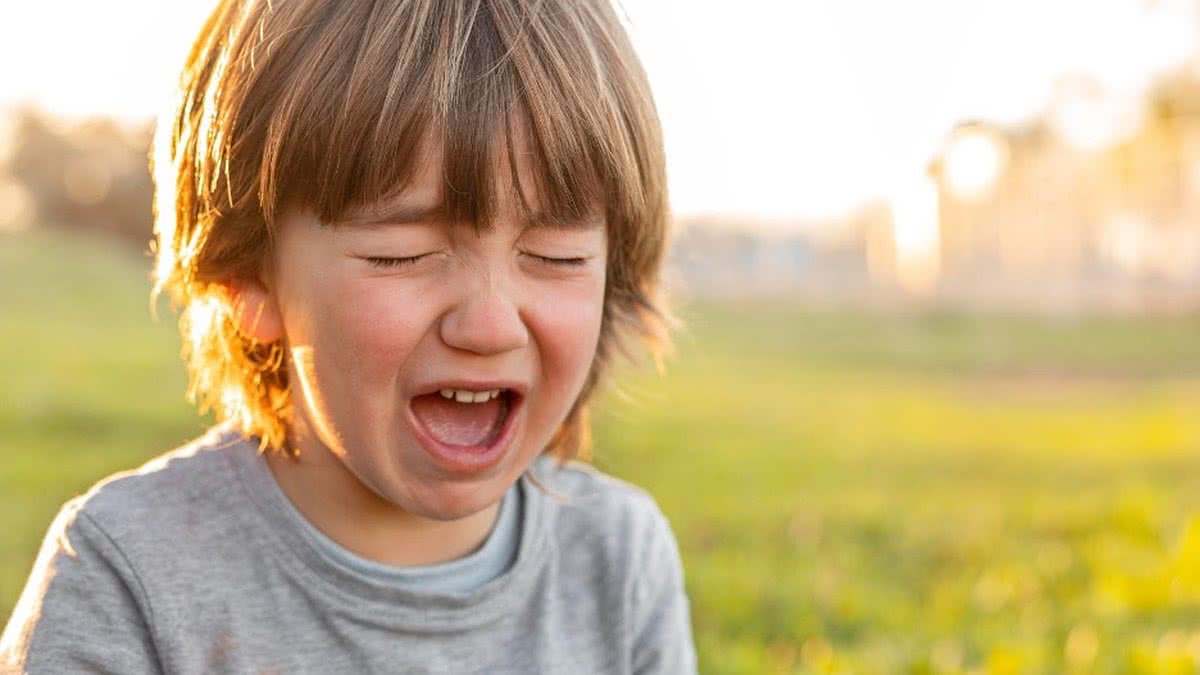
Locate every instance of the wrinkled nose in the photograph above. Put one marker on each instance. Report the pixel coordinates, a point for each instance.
(485, 322)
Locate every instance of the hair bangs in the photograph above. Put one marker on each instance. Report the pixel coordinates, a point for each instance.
(478, 94)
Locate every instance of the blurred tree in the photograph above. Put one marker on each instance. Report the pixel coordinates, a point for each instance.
(92, 174)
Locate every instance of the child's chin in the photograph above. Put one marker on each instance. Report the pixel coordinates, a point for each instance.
(454, 501)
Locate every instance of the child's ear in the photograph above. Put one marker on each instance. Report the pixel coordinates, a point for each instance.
(255, 310)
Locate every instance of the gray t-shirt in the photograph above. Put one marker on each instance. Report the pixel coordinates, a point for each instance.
(185, 566)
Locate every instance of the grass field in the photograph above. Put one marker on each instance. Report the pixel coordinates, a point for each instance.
(852, 493)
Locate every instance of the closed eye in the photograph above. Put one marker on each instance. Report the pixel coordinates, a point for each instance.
(566, 262)
(386, 263)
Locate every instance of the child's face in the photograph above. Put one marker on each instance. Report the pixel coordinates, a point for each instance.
(371, 346)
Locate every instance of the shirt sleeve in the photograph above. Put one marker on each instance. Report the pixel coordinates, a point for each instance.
(83, 609)
(662, 641)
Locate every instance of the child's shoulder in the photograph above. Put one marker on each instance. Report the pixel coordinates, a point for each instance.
(587, 503)
(578, 481)
(184, 482)
(577, 485)
(617, 543)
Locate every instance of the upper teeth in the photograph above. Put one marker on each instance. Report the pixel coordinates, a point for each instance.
(467, 396)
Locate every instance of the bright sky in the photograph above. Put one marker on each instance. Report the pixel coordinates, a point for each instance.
(773, 109)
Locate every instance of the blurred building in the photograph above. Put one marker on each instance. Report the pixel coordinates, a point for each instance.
(722, 257)
(1081, 212)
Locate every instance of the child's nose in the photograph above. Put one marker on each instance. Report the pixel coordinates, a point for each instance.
(485, 322)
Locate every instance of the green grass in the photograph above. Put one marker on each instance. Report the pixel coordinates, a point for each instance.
(915, 493)
(929, 493)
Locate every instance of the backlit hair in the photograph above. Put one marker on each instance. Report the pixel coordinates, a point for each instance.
(323, 104)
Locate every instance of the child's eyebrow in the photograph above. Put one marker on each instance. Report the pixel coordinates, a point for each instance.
(539, 219)
(390, 216)
(400, 215)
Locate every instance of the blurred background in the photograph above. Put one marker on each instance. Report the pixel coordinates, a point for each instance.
(934, 407)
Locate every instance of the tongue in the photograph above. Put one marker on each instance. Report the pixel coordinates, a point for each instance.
(455, 423)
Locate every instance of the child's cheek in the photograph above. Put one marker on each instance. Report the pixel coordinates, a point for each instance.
(568, 324)
(379, 322)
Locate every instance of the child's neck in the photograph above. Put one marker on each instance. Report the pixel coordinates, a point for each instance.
(340, 506)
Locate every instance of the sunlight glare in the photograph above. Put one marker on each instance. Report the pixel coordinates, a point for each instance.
(916, 234)
(202, 316)
(306, 374)
(1089, 118)
(974, 159)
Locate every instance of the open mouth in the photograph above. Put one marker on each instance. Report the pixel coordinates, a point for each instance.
(463, 419)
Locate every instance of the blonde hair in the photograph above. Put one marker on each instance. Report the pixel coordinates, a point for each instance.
(324, 104)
